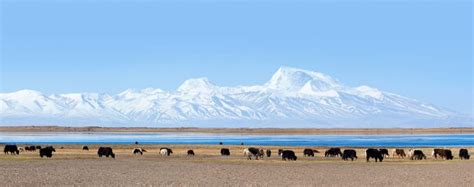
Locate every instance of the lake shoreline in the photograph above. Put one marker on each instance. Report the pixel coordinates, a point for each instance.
(240, 130)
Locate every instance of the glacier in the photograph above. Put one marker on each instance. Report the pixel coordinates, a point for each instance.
(292, 98)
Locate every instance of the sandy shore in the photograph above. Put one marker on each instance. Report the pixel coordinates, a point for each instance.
(73, 166)
(243, 130)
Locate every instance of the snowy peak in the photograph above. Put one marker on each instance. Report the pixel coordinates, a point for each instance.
(151, 91)
(23, 94)
(129, 93)
(293, 79)
(199, 85)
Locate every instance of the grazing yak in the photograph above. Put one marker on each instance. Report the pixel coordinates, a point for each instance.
(166, 151)
(106, 151)
(252, 151)
(332, 152)
(398, 152)
(288, 155)
(269, 153)
(137, 151)
(47, 151)
(464, 154)
(225, 152)
(384, 152)
(30, 148)
(417, 155)
(12, 149)
(190, 152)
(374, 153)
(309, 152)
(85, 148)
(349, 154)
(443, 153)
(38, 147)
(436, 153)
(448, 154)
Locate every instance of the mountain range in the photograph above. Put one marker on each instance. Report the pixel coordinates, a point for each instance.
(291, 98)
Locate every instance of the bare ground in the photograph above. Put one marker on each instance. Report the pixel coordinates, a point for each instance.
(72, 166)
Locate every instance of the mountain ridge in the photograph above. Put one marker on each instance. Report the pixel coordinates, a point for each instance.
(291, 98)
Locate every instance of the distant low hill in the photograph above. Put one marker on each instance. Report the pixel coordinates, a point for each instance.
(291, 98)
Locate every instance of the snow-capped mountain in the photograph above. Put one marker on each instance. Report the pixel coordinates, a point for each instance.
(291, 98)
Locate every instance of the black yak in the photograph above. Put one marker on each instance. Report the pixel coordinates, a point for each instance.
(418, 155)
(374, 153)
(349, 154)
(464, 154)
(12, 149)
(332, 152)
(225, 152)
(47, 151)
(190, 152)
(288, 155)
(105, 151)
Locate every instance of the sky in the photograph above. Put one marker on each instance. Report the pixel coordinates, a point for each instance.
(419, 48)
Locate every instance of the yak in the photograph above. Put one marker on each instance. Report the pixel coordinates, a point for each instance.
(138, 151)
(309, 152)
(47, 151)
(12, 149)
(252, 151)
(349, 154)
(332, 152)
(105, 151)
(418, 155)
(225, 152)
(166, 151)
(399, 153)
(464, 154)
(374, 153)
(288, 155)
(269, 153)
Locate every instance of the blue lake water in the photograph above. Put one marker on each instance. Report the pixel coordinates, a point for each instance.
(411, 140)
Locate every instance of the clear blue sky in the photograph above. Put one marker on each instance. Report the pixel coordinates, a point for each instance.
(420, 49)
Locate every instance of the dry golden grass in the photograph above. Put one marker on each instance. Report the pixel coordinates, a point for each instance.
(211, 153)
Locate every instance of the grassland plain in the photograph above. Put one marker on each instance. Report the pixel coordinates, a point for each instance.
(71, 165)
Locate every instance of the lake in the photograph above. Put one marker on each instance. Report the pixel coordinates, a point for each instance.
(405, 140)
